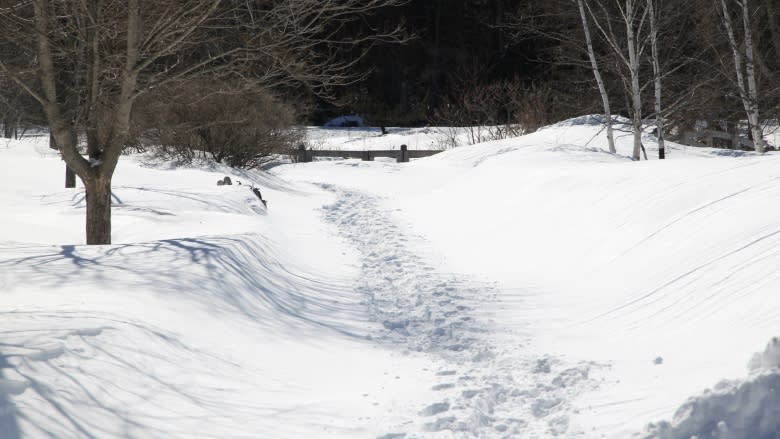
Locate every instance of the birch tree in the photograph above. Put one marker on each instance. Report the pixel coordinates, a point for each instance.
(87, 61)
(744, 66)
(633, 38)
(633, 17)
(659, 116)
(597, 76)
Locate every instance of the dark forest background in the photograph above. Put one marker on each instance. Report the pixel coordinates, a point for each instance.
(525, 62)
(483, 62)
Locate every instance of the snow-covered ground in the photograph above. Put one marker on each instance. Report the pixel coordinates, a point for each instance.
(533, 287)
(368, 138)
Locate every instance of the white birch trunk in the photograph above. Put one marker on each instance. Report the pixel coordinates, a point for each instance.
(633, 67)
(750, 72)
(747, 96)
(659, 117)
(597, 76)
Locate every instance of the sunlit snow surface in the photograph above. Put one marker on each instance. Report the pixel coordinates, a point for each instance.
(531, 287)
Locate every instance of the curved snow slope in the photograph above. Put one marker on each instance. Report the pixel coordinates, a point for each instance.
(601, 258)
(618, 261)
(210, 314)
(208, 317)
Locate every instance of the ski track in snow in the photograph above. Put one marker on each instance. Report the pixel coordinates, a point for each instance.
(486, 390)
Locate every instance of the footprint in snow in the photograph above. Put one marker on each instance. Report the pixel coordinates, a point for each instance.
(435, 409)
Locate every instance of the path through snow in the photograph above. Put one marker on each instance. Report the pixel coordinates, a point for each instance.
(486, 389)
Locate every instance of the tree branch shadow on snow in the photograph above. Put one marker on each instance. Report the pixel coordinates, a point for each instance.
(9, 427)
(237, 275)
(82, 397)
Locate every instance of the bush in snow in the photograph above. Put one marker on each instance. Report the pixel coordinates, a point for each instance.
(481, 111)
(243, 127)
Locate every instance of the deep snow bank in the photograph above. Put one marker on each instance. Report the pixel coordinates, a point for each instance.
(733, 409)
(208, 317)
(598, 258)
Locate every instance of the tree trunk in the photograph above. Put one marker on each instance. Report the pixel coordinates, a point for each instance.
(636, 97)
(750, 72)
(70, 177)
(746, 82)
(9, 128)
(98, 190)
(659, 117)
(597, 76)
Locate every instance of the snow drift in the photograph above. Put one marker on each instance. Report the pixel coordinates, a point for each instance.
(530, 287)
(733, 409)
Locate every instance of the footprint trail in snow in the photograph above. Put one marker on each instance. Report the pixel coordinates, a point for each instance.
(486, 389)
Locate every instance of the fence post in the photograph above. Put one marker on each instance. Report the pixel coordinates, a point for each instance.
(304, 155)
(403, 154)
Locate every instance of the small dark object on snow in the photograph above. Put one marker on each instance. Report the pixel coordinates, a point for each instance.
(227, 181)
(658, 360)
(403, 154)
(220, 183)
(260, 196)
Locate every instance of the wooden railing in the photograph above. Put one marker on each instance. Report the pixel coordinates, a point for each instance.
(401, 155)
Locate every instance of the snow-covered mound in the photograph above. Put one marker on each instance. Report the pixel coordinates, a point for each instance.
(530, 287)
(601, 259)
(210, 316)
(733, 409)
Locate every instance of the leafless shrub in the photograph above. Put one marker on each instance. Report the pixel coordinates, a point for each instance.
(241, 127)
(482, 112)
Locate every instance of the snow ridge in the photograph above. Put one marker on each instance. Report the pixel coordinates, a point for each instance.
(483, 388)
(733, 409)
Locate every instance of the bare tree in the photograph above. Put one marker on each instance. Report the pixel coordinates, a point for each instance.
(633, 17)
(597, 76)
(744, 66)
(86, 62)
(659, 117)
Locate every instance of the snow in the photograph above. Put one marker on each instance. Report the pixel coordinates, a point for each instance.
(531, 287)
(369, 138)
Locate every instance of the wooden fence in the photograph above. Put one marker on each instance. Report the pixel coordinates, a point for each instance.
(401, 155)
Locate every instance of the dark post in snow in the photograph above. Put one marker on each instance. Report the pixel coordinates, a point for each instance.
(304, 155)
(70, 176)
(403, 154)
